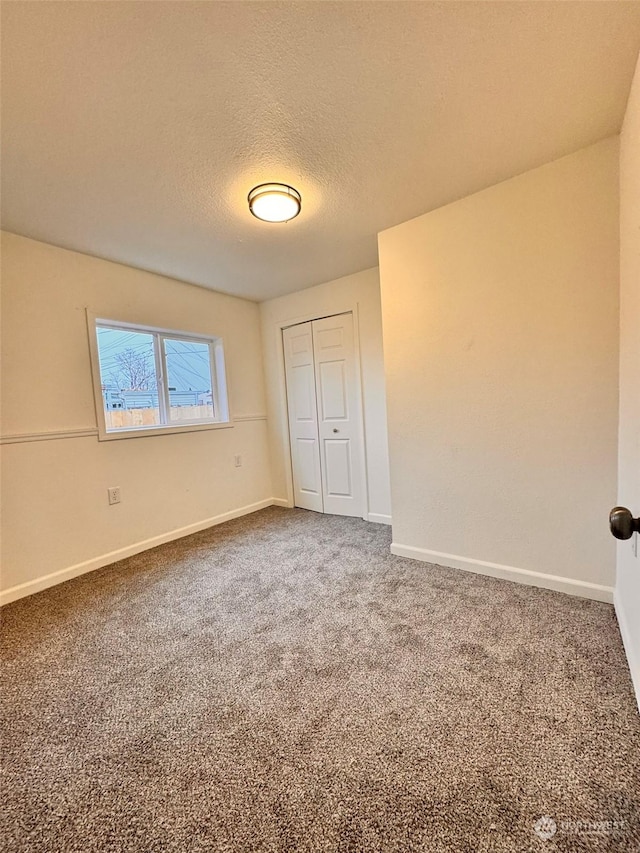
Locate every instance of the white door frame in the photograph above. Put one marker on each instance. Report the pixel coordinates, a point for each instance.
(351, 308)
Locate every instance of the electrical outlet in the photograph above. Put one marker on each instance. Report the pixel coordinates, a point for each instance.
(114, 494)
(237, 461)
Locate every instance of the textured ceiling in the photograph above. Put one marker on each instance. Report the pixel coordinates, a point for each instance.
(134, 130)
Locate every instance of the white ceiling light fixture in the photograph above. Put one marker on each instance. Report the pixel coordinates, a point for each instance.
(275, 202)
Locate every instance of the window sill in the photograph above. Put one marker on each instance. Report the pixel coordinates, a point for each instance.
(143, 432)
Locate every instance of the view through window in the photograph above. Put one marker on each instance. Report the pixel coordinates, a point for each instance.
(152, 379)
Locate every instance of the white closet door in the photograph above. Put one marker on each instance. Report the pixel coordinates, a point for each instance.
(339, 415)
(303, 418)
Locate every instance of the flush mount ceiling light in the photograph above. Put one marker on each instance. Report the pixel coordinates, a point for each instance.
(274, 202)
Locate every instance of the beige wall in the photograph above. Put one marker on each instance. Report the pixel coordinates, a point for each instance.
(628, 563)
(500, 320)
(362, 292)
(54, 492)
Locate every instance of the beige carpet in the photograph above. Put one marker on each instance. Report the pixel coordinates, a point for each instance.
(282, 683)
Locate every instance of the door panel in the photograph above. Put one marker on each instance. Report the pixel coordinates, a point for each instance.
(307, 459)
(304, 397)
(337, 454)
(339, 415)
(333, 391)
(299, 342)
(327, 339)
(303, 418)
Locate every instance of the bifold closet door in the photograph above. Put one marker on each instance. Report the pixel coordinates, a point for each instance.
(303, 417)
(339, 415)
(324, 416)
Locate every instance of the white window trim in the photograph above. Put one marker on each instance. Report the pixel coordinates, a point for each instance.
(218, 389)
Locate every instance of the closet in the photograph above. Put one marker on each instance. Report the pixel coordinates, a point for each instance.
(325, 415)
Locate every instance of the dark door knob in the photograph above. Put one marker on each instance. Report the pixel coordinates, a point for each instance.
(622, 524)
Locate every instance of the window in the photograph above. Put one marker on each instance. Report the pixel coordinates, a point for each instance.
(153, 380)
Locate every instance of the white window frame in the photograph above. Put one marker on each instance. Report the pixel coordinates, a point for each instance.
(219, 395)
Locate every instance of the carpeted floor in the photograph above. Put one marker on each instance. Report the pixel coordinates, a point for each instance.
(282, 683)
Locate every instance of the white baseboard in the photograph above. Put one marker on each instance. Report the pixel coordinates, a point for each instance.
(509, 573)
(631, 653)
(281, 502)
(44, 582)
(379, 518)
